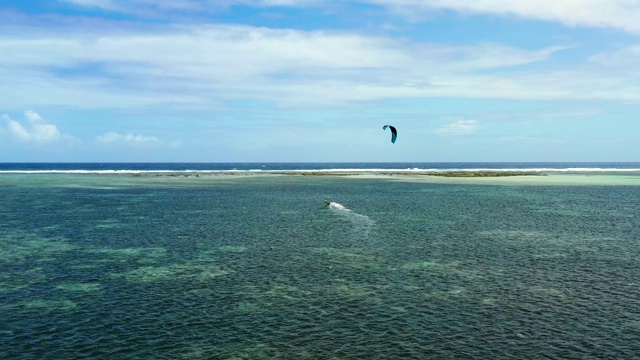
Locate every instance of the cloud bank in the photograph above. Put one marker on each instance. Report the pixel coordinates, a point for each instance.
(208, 65)
(617, 14)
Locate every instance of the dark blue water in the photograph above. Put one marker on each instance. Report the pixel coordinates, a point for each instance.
(124, 267)
(308, 166)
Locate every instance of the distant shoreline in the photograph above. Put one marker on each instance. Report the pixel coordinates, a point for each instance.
(452, 176)
(453, 173)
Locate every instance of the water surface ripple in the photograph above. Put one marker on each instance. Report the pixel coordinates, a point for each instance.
(122, 267)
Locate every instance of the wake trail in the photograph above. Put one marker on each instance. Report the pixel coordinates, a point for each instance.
(362, 223)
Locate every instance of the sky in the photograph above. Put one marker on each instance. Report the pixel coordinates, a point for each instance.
(315, 81)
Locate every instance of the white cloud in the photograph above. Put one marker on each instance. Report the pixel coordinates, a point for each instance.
(114, 138)
(458, 128)
(619, 14)
(35, 129)
(202, 65)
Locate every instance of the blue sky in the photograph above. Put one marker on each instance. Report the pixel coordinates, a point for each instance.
(306, 80)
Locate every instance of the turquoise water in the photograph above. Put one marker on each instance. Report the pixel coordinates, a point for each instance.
(110, 266)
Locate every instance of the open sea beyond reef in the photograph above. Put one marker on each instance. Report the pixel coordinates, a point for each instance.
(99, 262)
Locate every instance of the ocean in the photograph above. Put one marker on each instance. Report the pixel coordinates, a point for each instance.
(275, 166)
(152, 261)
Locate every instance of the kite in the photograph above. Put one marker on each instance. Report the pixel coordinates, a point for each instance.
(394, 132)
